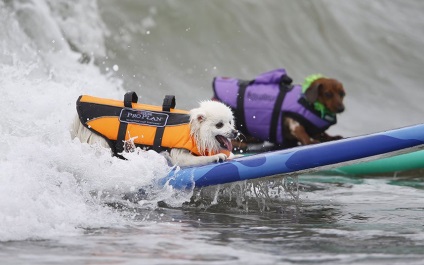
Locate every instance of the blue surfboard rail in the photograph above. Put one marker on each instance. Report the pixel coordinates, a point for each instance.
(299, 159)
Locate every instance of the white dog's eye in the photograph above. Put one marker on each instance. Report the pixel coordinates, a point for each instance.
(219, 125)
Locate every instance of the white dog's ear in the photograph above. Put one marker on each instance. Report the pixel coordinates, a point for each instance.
(201, 117)
(198, 115)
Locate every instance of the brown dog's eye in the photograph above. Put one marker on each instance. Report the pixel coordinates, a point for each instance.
(342, 94)
(328, 94)
(219, 125)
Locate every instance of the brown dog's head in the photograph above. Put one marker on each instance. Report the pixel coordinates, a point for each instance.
(328, 92)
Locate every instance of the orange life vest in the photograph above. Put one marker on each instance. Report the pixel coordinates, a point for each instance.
(149, 127)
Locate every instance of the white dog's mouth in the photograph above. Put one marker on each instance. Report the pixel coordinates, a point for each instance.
(224, 142)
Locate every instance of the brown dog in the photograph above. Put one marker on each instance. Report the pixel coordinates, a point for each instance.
(330, 93)
(271, 109)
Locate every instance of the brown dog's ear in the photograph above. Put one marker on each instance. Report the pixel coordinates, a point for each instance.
(311, 94)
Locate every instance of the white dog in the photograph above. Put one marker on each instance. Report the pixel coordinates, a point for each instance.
(211, 127)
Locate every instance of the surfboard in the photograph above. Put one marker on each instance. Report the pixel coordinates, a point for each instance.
(300, 160)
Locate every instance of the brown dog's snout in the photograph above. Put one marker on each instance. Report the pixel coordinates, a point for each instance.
(334, 105)
(340, 108)
(339, 101)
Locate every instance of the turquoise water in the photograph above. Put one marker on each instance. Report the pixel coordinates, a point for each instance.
(63, 202)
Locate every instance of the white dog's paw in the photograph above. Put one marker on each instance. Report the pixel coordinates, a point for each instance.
(219, 157)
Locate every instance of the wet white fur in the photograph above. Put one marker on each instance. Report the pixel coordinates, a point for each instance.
(203, 128)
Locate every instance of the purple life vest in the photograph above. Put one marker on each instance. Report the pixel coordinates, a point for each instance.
(259, 106)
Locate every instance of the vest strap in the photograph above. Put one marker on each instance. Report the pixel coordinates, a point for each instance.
(167, 105)
(129, 98)
(239, 111)
(284, 87)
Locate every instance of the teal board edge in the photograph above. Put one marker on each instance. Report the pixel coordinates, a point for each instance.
(403, 162)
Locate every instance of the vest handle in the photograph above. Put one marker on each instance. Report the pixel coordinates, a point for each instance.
(168, 103)
(286, 80)
(129, 98)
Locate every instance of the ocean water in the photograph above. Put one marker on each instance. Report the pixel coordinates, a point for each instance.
(63, 202)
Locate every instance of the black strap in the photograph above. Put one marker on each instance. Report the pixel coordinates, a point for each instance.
(167, 105)
(239, 111)
(129, 98)
(277, 110)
